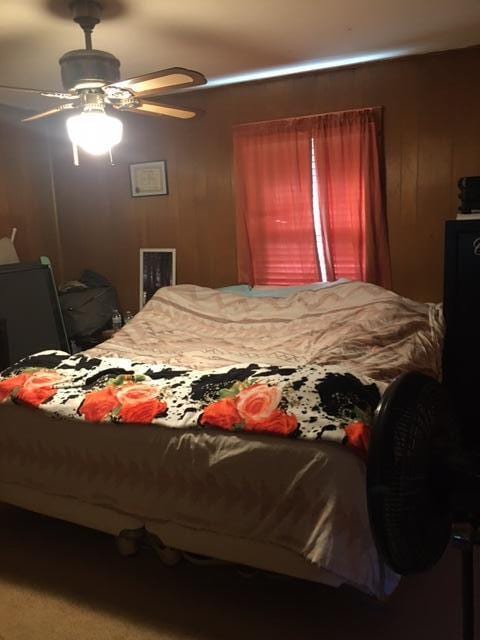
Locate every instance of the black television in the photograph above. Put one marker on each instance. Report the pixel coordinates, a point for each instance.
(30, 315)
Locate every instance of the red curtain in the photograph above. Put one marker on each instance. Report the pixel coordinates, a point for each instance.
(276, 241)
(275, 230)
(353, 222)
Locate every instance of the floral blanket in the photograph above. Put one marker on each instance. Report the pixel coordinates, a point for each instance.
(309, 402)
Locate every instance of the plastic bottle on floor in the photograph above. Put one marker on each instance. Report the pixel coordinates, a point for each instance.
(116, 320)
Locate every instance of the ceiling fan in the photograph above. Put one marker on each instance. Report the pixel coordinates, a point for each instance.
(91, 79)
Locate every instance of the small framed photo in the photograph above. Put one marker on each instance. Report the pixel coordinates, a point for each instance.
(149, 179)
(157, 269)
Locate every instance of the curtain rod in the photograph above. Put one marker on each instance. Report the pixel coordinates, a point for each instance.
(314, 115)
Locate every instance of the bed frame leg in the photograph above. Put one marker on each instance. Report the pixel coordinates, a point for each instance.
(128, 541)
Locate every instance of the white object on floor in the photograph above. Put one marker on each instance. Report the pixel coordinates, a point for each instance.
(8, 255)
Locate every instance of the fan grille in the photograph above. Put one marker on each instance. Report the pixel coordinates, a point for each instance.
(407, 501)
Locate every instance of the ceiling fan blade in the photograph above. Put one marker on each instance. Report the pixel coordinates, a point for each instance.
(157, 109)
(42, 92)
(50, 112)
(164, 81)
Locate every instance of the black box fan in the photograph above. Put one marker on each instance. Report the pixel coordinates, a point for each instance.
(423, 485)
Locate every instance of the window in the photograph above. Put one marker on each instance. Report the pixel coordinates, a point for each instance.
(309, 200)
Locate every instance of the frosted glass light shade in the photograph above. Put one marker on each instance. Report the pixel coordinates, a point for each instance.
(94, 131)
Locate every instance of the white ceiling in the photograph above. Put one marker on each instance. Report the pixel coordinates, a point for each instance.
(224, 38)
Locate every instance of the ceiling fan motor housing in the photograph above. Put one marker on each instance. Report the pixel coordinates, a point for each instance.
(82, 66)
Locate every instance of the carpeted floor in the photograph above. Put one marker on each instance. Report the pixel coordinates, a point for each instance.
(63, 582)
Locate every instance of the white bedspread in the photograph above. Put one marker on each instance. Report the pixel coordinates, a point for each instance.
(369, 329)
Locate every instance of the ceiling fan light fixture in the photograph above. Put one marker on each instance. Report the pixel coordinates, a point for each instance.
(94, 131)
(91, 80)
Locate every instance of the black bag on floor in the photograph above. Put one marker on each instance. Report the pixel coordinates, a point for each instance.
(87, 310)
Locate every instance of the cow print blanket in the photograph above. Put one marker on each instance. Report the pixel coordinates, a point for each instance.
(308, 402)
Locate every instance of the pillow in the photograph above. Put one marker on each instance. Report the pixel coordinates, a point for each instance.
(266, 291)
(237, 289)
(284, 292)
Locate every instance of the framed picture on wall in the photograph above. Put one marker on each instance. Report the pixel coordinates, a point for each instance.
(157, 269)
(149, 179)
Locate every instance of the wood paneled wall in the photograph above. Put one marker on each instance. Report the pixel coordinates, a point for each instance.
(432, 137)
(26, 192)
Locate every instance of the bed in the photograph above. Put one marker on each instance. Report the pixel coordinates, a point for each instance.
(291, 506)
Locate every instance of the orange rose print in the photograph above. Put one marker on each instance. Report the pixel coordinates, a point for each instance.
(142, 412)
(31, 387)
(258, 402)
(132, 403)
(253, 408)
(8, 386)
(222, 414)
(38, 388)
(136, 393)
(43, 378)
(358, 438)
(97, 405)
(139, 403)
(278, 422)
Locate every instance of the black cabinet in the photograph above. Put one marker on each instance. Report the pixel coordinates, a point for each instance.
(461, 361)
(30, 317)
